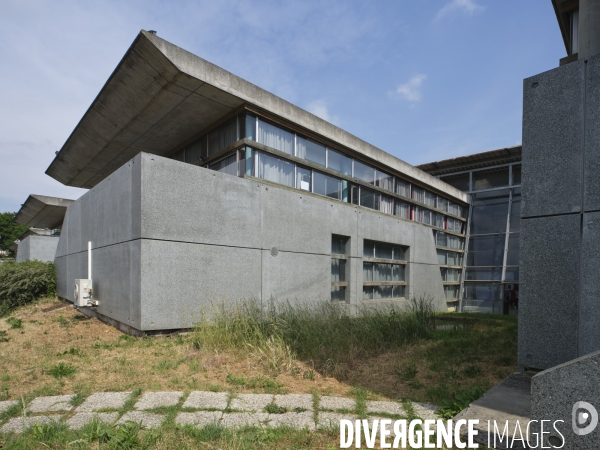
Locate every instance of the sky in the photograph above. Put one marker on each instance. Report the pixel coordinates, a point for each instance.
(424, 80)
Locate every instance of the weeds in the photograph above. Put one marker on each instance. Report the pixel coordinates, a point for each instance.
(14, 323)
(3, 336)
(62, 370)
(269, 386)
(407, 373)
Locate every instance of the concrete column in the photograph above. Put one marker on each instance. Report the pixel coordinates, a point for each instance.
(589, 28)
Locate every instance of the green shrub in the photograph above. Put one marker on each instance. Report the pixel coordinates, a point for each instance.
(22, 283)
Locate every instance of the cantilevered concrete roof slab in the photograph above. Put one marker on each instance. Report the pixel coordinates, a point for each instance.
(160, 96)
(40, 211)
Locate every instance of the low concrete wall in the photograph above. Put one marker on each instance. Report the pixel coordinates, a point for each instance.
(554, 395)
(41, 248)
(171, 239)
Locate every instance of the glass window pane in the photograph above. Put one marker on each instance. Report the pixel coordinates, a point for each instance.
(455, 242)
(338, 162)
(456, 210)
(382, 292)
(228, 134)
(196, 151)
(512, 274)
(385, 181)
(338, 293)
(309, 150)
(486, 250)
(427, 217)
(367, 292)
(402, 209)
(460, 181)
(402, 188)
(438, 220)
(516, 175)
(213, 142)
(383, 251)
(338, 245)
(484, 274)
(369, 198)
(398, 272)
(399, 254)
(275, 170)
(441, 257)
(453, 259)
(451, 292)
(515, 215)
(275, 137)
(303, 178)
(387, 204)
(250, 128)
(512, 259)
(354, 197)
(368, 249)
(442, 203)
(367, 271)
(326, 185)
(490, 211)
(418, 194)
(399, 291)
(179, 156)
(242, 161)
(338, 270)
(490, 178)
(382, 272)
(227, 165)
(483, 291)
(441, 239)
(430, 199)
(364, 172)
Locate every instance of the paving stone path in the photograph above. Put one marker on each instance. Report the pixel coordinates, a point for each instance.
(202, 408)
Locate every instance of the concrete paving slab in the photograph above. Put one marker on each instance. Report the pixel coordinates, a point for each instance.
(335, 403)
(425, 411)
(385, 407)
(53, 403)
(207, 400)
(199, 419)
(104, 400)
(293, 420)
(18, 424)
(151, 400)
(233, 420)
(509, 401)
(80, 419)
(147, 419)
(251, 402)
(7, 404)
(331, 420)
(293, 401)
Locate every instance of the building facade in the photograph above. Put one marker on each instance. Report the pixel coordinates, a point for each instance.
(205, 188)
(491, 264)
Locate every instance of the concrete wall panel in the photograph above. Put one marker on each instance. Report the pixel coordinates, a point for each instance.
(186, 203)
(592, 136)
(40, 248)
(181, 280)
(552, 141)
(589, 311)
(549, 275)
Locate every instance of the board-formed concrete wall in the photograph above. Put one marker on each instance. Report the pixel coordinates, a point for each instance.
(559, 316)
(34, 247)
(171, 239)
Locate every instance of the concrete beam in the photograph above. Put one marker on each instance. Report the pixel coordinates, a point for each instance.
(40, 211)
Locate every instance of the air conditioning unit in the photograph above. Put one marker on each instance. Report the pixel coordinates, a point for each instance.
(82, 296)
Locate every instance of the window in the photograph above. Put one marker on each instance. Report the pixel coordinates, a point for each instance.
(384, 271)
(226, 165)
(418, 194)
(402, 209)
(430, 199)
(275, 170)
(311, 151)
(490, 178)
(402, 188)
(338, 162)
(446, 258)
(369, 198)
(302, 178)
(275, 137)
(339, 283)
(438, 220)
(385, 181)
(460, 181)
(326, 185)
(387, 204)
(442, 203)
(364, 172)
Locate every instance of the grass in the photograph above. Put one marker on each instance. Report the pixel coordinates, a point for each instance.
(328, 351)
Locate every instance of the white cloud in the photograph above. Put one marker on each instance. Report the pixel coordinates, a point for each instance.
(319, 109)
(467, 6)
(411, 90)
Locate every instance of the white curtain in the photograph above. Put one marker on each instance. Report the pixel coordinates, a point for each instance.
(275, 170)
(275, 137)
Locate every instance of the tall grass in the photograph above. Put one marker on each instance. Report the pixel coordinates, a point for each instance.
(22, 283)
(325, 334)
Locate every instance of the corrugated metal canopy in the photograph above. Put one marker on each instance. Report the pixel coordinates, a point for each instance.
(41, 211)
(474, 161)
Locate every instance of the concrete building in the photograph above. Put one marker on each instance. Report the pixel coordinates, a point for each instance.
(44, 215)
(491, 263)
(559, 317)
(204, 188)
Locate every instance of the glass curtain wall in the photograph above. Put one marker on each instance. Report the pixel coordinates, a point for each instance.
(491, 265)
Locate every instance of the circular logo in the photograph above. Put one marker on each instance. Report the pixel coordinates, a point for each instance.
(582, 413)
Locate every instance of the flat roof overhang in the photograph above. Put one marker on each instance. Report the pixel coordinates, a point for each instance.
(40, 211)
(161, 96)
(474, 161)
(563, 10)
